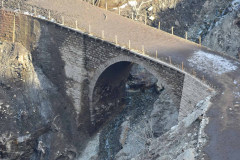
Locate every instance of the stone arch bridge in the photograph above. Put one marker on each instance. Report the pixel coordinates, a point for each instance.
(80, 64)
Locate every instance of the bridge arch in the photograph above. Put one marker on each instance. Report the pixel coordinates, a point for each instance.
(150, 67)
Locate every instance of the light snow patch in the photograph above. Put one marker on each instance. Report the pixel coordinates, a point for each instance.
(236, 4)
(235, 82)
(132, 3)
(23, 138)
(237, 94)
(27, 13)
(123, 6)
(210, 63)
(53, 20)
(152, 18)
(150, 8)
(41, 17)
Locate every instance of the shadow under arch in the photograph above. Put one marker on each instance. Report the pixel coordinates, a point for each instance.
(116, 69)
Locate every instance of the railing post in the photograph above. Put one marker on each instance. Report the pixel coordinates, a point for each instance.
(106, 6)
(14, 28)
(156, 54)
(89, 29)
(170, 60)
(172, 30)
(35, 11)
(182, 66)
(159, 25)
(119, 10)
(200, 40)
(19, 7)
(132, 15)
(49, 15)
(62, 20)
(2, 3)
(76, 24)
(143, 49)
(116, 40)
(129, 44)
(102, 34)
(186, 35)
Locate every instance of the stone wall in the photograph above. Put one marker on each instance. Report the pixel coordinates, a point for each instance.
(6, 25)
(193, 92)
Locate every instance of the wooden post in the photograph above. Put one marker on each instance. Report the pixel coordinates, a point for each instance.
(143, 49)
(116, 40)
(129, 44)
(159, 25)
(62, 20)
(102, 34)
(49, 15)
(14, 28)
(182, 66)
(119, 10)
(156, 54)
(186, 35)
(93, 2)
(106, 6)
(200, 40)
(35, 11)
(170, 60)
(89, 29)
(132, 15)
(76, 22)
(2, 3)
(172, 30)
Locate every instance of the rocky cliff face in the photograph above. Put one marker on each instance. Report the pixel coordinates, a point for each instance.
(224, 36)
(25, 105)
(216, 22)
(31, 110)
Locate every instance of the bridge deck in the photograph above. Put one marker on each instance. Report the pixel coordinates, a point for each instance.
(222, 71)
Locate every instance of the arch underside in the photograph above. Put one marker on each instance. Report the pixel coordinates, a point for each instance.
(110, 78)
